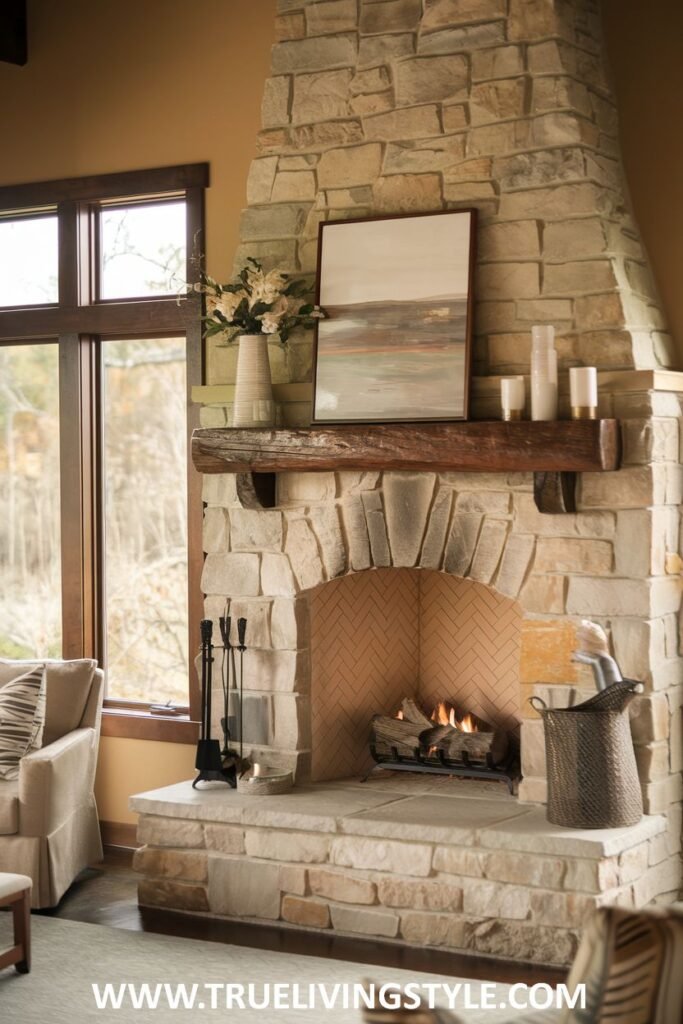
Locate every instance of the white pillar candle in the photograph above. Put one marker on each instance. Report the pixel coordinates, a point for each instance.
(583, 392)
(543, 373)
(512, 397)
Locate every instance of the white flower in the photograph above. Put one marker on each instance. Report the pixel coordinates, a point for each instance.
(226, 303)
(264, 287)
(270, 323)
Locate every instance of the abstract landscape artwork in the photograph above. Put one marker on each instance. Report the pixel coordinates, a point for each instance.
(397, 297)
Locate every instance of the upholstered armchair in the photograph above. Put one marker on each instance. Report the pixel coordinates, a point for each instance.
(48, 817)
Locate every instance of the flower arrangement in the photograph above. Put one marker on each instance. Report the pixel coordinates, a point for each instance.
(256, 303)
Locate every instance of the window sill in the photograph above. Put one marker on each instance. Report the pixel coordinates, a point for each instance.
(142, 725)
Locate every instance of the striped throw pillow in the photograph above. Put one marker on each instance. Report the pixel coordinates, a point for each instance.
(22, 716)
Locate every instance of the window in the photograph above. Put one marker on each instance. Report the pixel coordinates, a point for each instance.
(100, 531)
(142, 250)
(30, 563)
(145, 522)
(28, 260)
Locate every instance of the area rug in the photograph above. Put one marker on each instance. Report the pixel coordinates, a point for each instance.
(69, 957)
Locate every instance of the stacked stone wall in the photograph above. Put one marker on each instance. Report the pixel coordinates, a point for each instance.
(392, 106)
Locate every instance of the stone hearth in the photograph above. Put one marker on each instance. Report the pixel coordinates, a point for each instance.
(433, 862)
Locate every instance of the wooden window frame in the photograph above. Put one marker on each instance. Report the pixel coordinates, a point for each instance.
(78, 321)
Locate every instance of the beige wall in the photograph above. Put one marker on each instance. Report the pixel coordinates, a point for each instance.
(645, 50)
(132, 766)
(117, 85)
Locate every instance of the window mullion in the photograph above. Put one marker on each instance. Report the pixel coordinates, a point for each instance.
(67, 213)
(76, 254)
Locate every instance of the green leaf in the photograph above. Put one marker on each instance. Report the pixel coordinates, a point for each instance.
(295, 288)
(259, 308)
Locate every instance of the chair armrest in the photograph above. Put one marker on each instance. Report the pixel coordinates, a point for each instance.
(55, 780)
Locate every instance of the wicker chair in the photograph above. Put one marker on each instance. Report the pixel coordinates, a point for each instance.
(631, 963)
(632, 966)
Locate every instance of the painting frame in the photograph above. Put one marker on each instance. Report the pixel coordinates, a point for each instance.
(465, 300)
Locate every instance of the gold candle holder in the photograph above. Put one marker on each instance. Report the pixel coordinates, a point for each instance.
(584, 412)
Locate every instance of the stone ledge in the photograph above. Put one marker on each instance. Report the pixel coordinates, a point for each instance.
(348, 809)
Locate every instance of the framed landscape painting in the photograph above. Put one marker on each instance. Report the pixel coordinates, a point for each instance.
(397, 297)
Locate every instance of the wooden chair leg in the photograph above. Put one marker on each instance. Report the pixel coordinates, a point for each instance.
(21, 911)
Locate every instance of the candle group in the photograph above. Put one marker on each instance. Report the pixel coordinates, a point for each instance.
(583, 384)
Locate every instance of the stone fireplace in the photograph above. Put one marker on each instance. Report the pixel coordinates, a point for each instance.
(482, 538)
(360, 585)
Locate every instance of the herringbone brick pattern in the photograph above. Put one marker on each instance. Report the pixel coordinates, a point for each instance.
(380, 636)
(470, 648)
(364, 644)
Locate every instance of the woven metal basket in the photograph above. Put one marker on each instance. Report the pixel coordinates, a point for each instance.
(592, 772)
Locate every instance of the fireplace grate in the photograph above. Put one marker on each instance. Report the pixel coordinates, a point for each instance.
(438, 764)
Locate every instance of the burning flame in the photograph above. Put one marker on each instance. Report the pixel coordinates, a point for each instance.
(444, 714)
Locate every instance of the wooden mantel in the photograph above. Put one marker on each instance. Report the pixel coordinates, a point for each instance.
(572, 446)
(553, 451)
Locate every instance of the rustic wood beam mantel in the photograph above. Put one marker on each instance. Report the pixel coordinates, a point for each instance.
(572, 446)
(554, 451)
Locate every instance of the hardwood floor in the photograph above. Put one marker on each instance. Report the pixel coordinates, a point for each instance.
(107, 895)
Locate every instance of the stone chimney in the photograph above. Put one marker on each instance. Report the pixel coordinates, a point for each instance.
(388, 106)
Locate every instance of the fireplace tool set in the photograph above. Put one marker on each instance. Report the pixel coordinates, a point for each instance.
(213, 763)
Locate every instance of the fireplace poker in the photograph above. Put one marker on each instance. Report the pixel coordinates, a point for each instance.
(224, 623)
(241, 638)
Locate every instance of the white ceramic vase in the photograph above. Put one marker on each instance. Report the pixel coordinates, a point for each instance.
(254, 405)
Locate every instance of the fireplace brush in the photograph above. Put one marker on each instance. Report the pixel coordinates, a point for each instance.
(208, 762)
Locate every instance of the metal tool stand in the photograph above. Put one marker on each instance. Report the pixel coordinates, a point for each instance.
(208, 762)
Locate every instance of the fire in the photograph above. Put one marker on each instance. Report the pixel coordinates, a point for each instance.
(444, 714)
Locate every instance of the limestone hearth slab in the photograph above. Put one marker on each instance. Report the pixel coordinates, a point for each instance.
(496, 822)
(444, 819)
(533, 833)
(312, 808)
(412, 784)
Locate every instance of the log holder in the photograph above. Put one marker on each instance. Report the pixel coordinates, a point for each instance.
(438, 764)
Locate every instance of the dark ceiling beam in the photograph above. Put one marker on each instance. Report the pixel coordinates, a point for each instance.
(13, 38)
